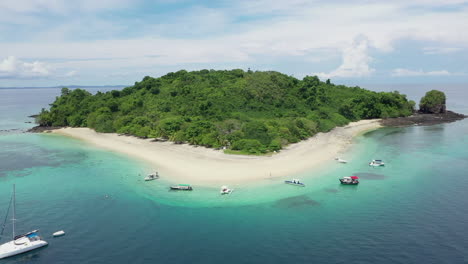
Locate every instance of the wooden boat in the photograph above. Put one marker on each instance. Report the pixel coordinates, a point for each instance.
(295, 182)
(181, 187)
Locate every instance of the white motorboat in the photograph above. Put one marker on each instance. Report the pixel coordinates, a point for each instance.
(295, 182)
(225, 190)
(59, 233)
(21, 243)
(341, 160)
(152, 176)
(376, 163)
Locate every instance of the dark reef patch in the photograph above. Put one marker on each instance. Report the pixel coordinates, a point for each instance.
(296, 202)
(370, 176)
(17, 156)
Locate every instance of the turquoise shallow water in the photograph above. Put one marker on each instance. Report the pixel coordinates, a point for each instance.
(411, 211)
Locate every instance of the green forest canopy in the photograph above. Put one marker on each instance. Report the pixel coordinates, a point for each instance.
(251, 112)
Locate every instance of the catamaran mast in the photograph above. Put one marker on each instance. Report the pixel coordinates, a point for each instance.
(14, 211)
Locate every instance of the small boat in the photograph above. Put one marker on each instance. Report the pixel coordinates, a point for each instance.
(376, 163)
(341, 160)
(152, 176)
(225, 190)
(20, 243)
(350, 180)
(295, 182)
(58, 233)
(182, 187)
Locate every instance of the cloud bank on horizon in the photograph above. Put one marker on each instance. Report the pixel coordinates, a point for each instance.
(52, 42)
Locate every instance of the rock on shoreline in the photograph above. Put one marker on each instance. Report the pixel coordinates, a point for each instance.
(41, 129)
(419, 119)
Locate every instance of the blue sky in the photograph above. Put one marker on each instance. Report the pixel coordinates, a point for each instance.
(110, 42)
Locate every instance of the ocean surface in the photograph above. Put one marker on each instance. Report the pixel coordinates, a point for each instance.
(413, 210)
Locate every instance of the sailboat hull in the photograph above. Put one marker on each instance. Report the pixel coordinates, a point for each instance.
(10, 249)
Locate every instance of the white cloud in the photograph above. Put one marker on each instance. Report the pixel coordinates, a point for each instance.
(355, 62)
(242, 33)
(12, 67)
(400, 72)
(71, 73)
(440, 50)
(61, 6)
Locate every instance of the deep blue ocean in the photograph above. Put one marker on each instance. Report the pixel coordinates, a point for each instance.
(413, 210)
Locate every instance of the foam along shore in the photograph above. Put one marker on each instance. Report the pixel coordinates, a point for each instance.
(184, 163)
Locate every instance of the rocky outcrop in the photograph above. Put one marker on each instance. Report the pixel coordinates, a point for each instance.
(421, 119)
(433, 103)
(41, 129)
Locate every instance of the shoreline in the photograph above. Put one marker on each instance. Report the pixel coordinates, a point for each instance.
(183, 163)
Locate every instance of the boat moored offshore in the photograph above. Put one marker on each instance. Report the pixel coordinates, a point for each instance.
(340, 160)
(152, 176)
(377, 163)
(225, 190)
(350, 180)
(20, 243)
(295, 182)
(181, 187)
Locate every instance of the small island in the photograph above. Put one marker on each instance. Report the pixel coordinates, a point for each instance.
(185, 123)
(240, 111)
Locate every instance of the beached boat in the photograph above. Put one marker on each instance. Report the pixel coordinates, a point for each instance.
(295, 182)
(376, 163)
(152, 176)
(182, 187)
(20, 243)
(341, 160)
(350, 180)
(225, 190)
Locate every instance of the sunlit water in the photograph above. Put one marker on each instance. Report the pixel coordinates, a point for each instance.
(413, 210)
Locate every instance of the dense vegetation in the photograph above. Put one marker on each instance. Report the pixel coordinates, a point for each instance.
(249, 112)
(433, 102)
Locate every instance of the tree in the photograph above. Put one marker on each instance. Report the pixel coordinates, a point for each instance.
(433, 102)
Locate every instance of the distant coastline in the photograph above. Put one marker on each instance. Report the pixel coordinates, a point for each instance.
(184, 163)
(69, 86)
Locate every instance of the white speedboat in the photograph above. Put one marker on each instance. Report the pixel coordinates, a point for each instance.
(225, 190)
(341, 160)
(21, 243)
(152, 176)
(295, 182)
(376, 163)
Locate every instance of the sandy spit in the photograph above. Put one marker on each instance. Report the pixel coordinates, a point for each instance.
(182, 163)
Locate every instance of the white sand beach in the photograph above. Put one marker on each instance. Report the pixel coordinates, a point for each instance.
(182, 163)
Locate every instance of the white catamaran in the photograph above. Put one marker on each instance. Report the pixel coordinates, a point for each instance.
(20, 243)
